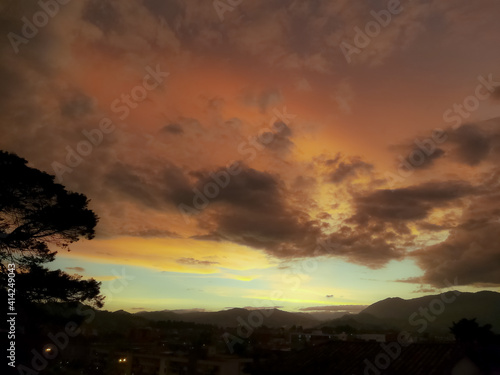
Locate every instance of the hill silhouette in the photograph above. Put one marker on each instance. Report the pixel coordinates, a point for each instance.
(232, 317)
(431, 312)
(390, 314)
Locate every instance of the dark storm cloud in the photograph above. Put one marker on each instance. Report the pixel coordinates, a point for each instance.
(380, 231)
(256, 213)
(410, 203)
(170, 185)
(334, 161)
(175, 186)
(471, 252)
(427, 161)
(76, 106)
(346, 170)
(370, 246)
(473, 144)
(250, 188)
(470, 144)
(183, 125)
(251, 198)
(282, 233)
(124, 180)
(172, 129)
(279, 136)
(472, 257)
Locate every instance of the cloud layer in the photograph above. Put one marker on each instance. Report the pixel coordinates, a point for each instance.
(210, 154)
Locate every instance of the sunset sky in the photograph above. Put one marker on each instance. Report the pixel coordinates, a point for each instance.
(267, 153)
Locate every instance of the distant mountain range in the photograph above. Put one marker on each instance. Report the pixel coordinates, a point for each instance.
(432, 314)
(233, 317)
(429, 313)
